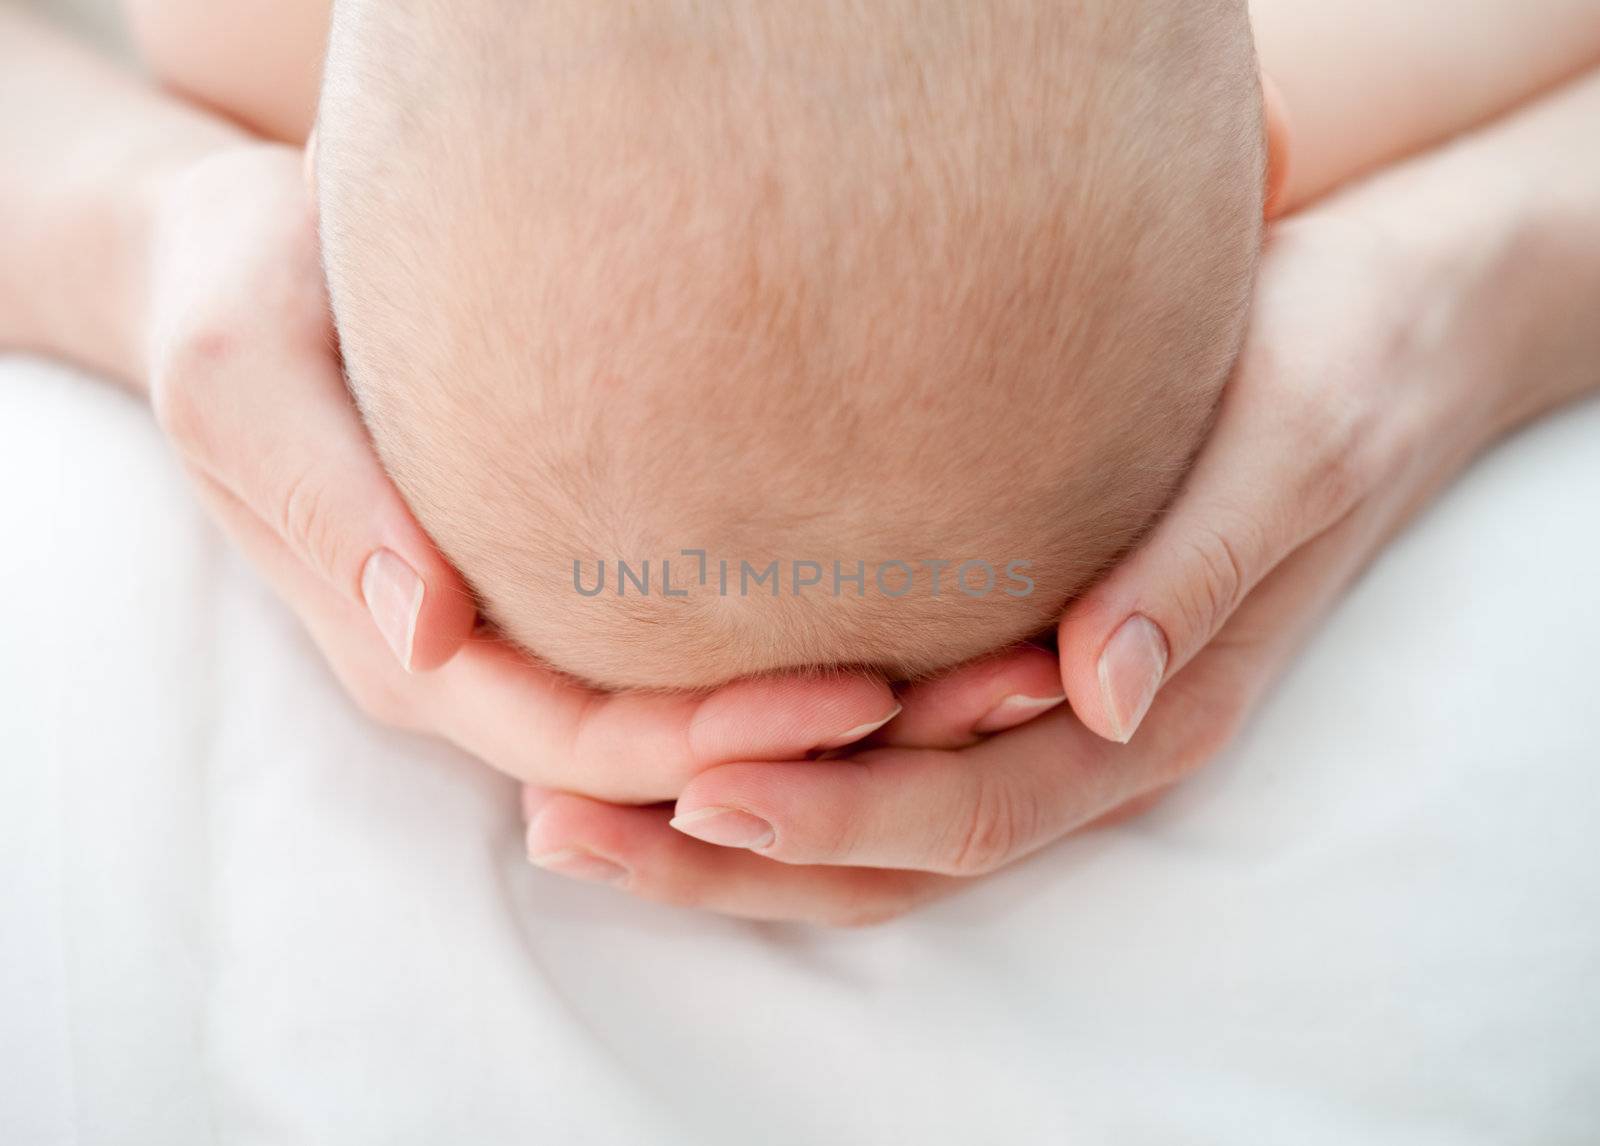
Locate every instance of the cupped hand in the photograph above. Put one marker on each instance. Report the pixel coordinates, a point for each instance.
(245, 380)
(1352, 403)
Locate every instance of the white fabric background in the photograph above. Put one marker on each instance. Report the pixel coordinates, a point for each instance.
(233, 912)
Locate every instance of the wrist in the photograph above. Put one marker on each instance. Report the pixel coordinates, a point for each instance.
(78, 179)
(95, 246)
(1504, 229)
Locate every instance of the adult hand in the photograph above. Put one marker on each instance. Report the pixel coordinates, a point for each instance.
(1397, 331)
(246, 382)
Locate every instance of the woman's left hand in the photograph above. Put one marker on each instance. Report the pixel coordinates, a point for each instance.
(1396, 333)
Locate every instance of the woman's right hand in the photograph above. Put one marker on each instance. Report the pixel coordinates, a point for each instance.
(1397, 331)
(245, 380)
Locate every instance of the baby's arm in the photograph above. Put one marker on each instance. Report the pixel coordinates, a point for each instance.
(1371, 81)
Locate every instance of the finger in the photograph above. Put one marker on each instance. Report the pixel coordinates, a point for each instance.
(271, 422)
(638, 747)
(1280, 136)
(328, 497)
(960, 813)
(634, 850)
(977, 699)
(535, 725)
(1269, 479)
(971, 811)
(342, 629)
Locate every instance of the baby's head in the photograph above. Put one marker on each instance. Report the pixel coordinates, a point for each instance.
(852, 288)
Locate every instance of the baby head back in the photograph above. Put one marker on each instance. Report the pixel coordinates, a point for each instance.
(848, 289)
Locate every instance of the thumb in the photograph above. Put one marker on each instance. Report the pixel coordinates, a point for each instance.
(334, 506)
(245, 380)
(298, 458)
(1261, 489)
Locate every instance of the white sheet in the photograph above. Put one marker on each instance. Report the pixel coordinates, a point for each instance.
(232, 912)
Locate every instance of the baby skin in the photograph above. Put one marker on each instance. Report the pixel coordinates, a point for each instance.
(917, 322)
(909, 322)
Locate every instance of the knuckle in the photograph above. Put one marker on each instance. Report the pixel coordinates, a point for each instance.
(306, 523)
(837, 835)
(1343, 470)
(1334, 427)
(184, 377)
(997, 824)
(1220, 578)
(839, 828)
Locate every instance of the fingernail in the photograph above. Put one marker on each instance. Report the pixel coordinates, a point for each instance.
(860, 731)
(1015, 710)
(393, 593)
(1131, 669)
(726, 827)
(580, 864)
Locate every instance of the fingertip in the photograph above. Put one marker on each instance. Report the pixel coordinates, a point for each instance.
(982, 697)
(447, 619)
(806, 802)
(856, 733)
(725, 828)
(446, 614)
(393, 594)
(1017, 709)
(748, 785)
(562, 821)
(1082, 637)
(1279, 143)
(1130, 671)
(786, 717)
(385, 559)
